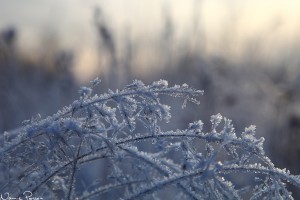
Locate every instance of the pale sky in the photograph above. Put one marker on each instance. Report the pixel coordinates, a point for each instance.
(228, 27)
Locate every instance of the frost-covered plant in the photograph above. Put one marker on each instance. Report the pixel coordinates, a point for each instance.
(120, 132)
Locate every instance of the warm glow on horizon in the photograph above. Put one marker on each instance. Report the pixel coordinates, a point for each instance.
(229, 28)
(233, 27)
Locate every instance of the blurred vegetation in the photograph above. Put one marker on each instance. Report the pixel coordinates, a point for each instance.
(30, 87)
(248, 93)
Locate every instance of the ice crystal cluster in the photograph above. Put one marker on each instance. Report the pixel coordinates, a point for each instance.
(112, 146)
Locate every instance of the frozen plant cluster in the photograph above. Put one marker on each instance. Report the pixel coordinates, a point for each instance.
(121, 133)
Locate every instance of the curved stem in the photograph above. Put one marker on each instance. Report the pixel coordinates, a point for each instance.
(158, 185)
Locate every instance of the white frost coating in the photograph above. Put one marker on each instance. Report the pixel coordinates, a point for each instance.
(122, 130)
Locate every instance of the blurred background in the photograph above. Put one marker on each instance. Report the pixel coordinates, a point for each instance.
(244, 54)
